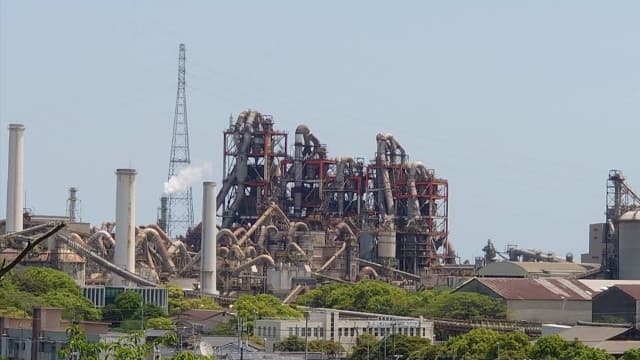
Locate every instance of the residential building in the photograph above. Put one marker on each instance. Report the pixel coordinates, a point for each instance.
(202, 321)
(341, 326)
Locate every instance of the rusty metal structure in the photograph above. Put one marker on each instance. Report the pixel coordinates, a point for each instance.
(327, 215)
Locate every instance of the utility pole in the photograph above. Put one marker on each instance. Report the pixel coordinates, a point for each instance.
(306, 335)
(180, 202)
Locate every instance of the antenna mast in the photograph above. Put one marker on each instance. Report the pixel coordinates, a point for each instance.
(180, 203)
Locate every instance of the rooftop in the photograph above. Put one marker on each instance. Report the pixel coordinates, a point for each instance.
(528, 268)
(535, 289)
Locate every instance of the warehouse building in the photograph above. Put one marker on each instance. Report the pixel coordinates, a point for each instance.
(563, 301)
(618, 304)
(535, 270)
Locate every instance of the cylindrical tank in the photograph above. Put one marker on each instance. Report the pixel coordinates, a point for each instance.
(15, 184)
(386, 244)
(629, 245)
(365, 243)
(208, 243)
(125, 252)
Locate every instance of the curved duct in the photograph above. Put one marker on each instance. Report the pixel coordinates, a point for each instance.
(223, 252)
(262, 258)
(272, 208)
(368, 271)
(226, 234)
(295, 227)
(75, 243)
(263, 234)
(250, 251)
(239, 231)
(235, 249)
(345, 232)
(167, 263)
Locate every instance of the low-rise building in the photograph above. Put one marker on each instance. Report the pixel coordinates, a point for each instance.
(615, 340)
(620, 303)
(45, 334)
(202, 321)
(340, 326)
(563, 301)
(102, 296)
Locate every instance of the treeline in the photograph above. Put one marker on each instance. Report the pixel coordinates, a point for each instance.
(380, 297)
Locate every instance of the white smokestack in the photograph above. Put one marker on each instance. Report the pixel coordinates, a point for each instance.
(15, 184)
(125, 252)
(208, 242)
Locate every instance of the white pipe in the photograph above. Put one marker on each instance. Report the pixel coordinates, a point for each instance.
(209, 234)
(125, 252)
(15, 184)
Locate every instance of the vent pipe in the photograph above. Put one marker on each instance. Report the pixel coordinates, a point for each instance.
(15, 184)
(125, 252)
(208, 242)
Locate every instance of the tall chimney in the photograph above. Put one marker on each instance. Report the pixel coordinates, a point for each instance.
(15, 184)
(208, 242)
(125, 252)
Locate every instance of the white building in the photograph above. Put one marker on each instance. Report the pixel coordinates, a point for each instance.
(341, 326)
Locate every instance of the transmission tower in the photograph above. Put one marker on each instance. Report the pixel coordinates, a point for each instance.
(180, 203)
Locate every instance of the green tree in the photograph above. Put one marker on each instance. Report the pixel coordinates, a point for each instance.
(160, 323)
(632, 354)
(365, 344)
(554, 347)
(291, 343)
(79, 345)
(41, 280)
(179, 303)
(327, 347)
(250, 307)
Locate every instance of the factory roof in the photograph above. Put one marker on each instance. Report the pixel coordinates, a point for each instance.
(198, 314)
(534, 269)
(531, 289)
(631, 290)
(593, 333)
(602, 285)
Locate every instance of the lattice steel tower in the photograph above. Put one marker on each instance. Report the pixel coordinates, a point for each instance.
(180, 203)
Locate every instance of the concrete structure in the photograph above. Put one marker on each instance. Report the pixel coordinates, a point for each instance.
(102, 296)
(560, 301)
(125, 252)
(620, 303)
(341, 326)
(629, 244)
(15, 178)
(596, 238)
(534, 270)
(209, 234)
(44, 334)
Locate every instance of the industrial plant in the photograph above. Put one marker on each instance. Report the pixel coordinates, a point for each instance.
(285, 217)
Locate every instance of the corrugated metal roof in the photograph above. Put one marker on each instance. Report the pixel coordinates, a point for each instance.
(617, 347)
(601, 285)
(592, 333)
(631, 290)
(536, 269)
(538, 289)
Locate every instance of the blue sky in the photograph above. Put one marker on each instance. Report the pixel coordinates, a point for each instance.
(524, 106)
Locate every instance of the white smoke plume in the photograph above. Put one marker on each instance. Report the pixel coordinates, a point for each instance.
(187, 176)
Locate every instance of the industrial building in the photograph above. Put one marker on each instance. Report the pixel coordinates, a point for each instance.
(341, 326)
(619, 303)
(535, 270)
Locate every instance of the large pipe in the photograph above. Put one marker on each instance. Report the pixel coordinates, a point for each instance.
(262, 258)
(413, 208)
(167, 263)
(75, 242)
(302, 132)
(260, 220)
(208, 244)
(15, 184)
(125, 252)
(333, 258)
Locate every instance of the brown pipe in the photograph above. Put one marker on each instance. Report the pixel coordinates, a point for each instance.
(262, 258)
(272, 208)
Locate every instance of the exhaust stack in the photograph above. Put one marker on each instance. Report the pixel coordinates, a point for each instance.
(208, 243)
(125, 252)
(15, 184)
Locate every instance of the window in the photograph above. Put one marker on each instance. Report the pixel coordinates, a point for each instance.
(353, 332)
(315, 332)
(290, 331)
(411, 332)
(424, 332)
(375, 332)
